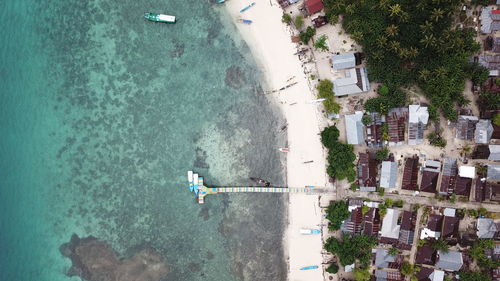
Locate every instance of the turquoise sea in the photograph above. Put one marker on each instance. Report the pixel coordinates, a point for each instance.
(101, 115)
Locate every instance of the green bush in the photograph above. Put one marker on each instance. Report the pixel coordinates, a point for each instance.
(321, 43)
(496, 119)
(337, 212)
(329, 136)
(299, 22)
(437, 140)
(340, 159)
(367, 120)
(382, 154)
(286, 18)
(306, 36)
(332, 268)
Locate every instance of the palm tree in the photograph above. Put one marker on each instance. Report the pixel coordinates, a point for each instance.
(395, 46)
(428, 40)
(413, 52)
(381, 41)
(481, 170)
(391, 30)
(350, 9)
(424, 74)
(357, 35)
(441, 71)
(465, 150)
(426, 27)
(395, 10)
(437, 14)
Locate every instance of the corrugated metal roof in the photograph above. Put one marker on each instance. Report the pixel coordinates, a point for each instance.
(355, 82)
(342, 61)
(390, 227)
(354, 128)
(484, 131)
(388, 174)
(486, 228)
(494, 152)
(493, 172)
(452, 260)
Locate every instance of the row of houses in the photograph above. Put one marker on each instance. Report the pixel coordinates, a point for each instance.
(399, 122)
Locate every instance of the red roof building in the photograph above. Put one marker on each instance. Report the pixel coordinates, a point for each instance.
(314, 6)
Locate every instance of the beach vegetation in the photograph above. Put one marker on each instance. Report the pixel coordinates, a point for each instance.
(361, 274)
(286, 18)
(337, 212)
(325, 91)
(496, 119)
(333, 268)
(321, 43)
(404, 47)
(299, 22)
(341, 162)
(351, 249)
(329, 136)
(474, 276)
(306, 36)
(382, 154)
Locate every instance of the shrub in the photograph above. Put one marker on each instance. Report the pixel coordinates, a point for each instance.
(306, 36)
(321, 43)
(299, 22)
(382, 154)
(337, 212)
(332, 268)
(367, 120)
(381, 191)
(496, 119)
(286, 18)
(437, 140)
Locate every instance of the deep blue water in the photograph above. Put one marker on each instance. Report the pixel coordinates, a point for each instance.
(101, 115)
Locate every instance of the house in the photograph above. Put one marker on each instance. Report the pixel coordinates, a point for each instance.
(371, 222)
(352, 225)
(355, 130)
(450, 229)
(343, 61)
(487, 229)
(481, 151)
(425, 255)
(492, 44)
(484, 131)
(480, 190)
(355, 82)
(389, 234)
(464, 180)
(319, 21)
(429, 274)
(495, 274)
(367, 171)
(450, 172)
(407, 230)
(452, 260)
(434, 226)
(384, 275)
(494, 150)
(374, 130)
(389, 174)
(466, 126)
(493, 172)
(384, 260)
(313, 6)
(417, 121)
(491, 62)
(490, 20)
(493, 191)
(396, 121)
(430, 176)
(410, 173)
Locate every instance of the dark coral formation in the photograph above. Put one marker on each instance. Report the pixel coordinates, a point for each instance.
(235, 77)
(94, 260)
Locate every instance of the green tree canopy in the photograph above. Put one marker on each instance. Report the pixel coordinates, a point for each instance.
(350, 249)
(496, 119)
(321, 43)
(332, 268)
(329, 136)
(337, 212)
(474, 276)
(340, 160)
(306, 36)
(299, 22)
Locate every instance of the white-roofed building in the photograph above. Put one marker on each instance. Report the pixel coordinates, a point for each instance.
(388, 174)
(343, 61)
(355, 82)
(355, 130)
(390, 227)
(484, 131)
(494, 152)
(467, 172)
(417, 121)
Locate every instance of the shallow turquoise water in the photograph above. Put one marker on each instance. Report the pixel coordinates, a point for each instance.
(102, 114)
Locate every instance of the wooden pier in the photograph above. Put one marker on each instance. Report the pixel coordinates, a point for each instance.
(204, 190)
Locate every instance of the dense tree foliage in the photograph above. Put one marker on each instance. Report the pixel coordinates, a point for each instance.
(411, 43)
(306, 36)
(350, 249)
(329, 136)
(341, 162)
(440, 245)
(337, 212)
(489, 100)
(325, 91)
(477, 252)
(382, 154)
(361, 274)
(474, 276)
(437, 140)
(332, 268)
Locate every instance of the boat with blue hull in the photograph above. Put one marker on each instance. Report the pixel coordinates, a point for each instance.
(309, 267)
(247, 7)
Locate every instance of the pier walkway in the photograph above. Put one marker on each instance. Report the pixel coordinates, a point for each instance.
(201, 190)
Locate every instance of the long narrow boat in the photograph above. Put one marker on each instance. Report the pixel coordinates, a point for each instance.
(309, 267)
(247, 7)
(195, 182)
(245, 21)
(221, 1)
(190, 180)
(159, 17)
(307, 231)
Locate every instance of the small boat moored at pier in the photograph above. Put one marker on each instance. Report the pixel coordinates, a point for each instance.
(159, 18)
(261, 181)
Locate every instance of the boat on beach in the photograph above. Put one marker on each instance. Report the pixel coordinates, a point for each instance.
(309, 267)
(284, 149)
(245, 21)
(159, 18)
(220, 1)
(190, 180)
(261, 181)
(247, 7)
(309, 231)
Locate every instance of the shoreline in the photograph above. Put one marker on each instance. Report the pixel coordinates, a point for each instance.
(269, 42)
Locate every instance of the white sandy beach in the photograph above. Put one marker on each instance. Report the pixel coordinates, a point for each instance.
(270, 43)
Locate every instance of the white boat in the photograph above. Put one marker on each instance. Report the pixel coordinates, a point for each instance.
(190, 180)
(309, 231)
(195, 183)
(284, 149)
